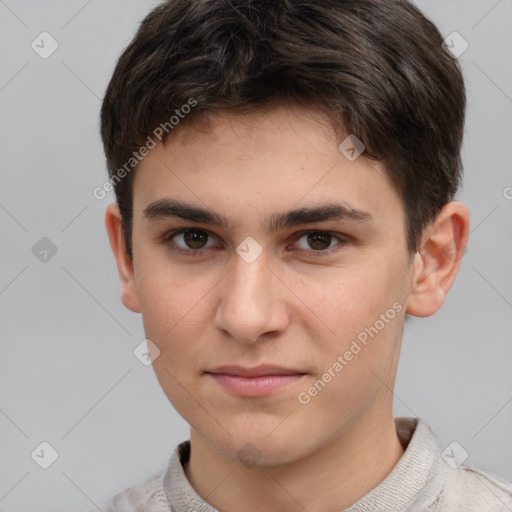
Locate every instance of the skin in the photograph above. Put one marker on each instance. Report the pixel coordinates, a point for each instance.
(290, 307)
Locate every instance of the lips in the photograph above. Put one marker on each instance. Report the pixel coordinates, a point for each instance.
(256, 381)
(256, 371)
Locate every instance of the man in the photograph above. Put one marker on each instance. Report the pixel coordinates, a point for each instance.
(284, 182)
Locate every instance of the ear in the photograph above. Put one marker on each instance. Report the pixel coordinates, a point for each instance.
(129, 295)
(438, 259)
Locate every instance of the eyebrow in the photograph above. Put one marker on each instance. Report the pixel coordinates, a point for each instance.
(168, 208)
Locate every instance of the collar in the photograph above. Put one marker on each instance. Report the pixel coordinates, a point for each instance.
(413, 484)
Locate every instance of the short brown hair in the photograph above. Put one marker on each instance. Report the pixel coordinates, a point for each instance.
(377, 68)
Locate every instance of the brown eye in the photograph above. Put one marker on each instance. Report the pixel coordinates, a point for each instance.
(190, 240)
(195, 239)
(319, 241)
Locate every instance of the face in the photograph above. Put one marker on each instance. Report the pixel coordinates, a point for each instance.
(320, 294)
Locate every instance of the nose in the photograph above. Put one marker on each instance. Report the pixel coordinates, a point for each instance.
(253, 302)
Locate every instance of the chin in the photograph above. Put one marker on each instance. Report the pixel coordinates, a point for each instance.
(256, 451)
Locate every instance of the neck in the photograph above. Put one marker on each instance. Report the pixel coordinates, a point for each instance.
(328, 480)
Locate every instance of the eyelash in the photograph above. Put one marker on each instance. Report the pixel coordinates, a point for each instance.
(343, 241)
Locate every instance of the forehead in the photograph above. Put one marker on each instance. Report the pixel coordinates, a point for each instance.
(261, 163)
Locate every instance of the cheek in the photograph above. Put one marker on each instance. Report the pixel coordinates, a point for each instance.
(353, 314)
(345, 300)
(167, 305)
(168, 293)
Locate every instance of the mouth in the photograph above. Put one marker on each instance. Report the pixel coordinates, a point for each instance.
(257, 381)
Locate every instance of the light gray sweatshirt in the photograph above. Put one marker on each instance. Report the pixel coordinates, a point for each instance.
(422, 480)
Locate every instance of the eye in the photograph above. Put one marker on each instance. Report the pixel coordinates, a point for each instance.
(197, 241)
(188, 241)
(320, 241)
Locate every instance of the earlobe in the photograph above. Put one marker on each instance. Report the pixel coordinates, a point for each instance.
(129, 295)
(438, 259)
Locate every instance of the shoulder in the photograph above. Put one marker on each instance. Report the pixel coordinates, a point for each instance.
(433, 484)
(469, 488)
(152, 495)
(149, 496)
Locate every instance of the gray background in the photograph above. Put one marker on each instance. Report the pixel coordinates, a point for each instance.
(67, 372)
